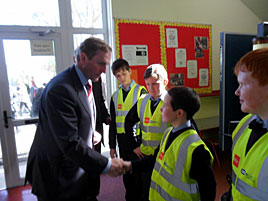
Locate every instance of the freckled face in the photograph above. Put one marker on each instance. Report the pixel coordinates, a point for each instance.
(253, 98)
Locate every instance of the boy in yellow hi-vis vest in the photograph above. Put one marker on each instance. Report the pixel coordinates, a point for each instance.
(250, 138)
(121, 102)
(147, 112)
(182, 162)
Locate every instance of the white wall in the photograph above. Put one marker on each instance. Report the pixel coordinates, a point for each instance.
(223, 15)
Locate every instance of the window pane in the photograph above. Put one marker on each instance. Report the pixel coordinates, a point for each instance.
(24, 136)
(29, 12)
(87, 13)
(27, 76)
(79, 38)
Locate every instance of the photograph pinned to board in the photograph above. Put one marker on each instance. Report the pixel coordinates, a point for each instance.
(201, 43)
(177, 79)
(136, 55)
(191, 69)
(180, 56)
(172, 37)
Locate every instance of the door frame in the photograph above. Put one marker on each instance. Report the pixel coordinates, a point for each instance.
(7, 135)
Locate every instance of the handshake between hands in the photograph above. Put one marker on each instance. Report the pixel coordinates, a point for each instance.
(119, 167)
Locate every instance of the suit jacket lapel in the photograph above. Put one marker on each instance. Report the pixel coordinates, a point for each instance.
(81, 91)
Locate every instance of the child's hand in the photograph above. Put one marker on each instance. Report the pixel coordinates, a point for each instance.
(137, 151)
(113, 153)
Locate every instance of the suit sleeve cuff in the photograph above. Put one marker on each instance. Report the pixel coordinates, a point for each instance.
(107, 166)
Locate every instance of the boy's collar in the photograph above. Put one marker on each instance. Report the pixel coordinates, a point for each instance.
(264, 122)
(129, 87)
(185, 125)
(161, 97)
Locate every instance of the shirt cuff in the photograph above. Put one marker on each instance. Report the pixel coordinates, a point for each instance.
(107, 166)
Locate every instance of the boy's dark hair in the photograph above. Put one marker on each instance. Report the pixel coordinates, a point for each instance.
(184, 98)
(119, 64)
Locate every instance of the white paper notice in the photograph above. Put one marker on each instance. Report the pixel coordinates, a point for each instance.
(203, 77)
(41, 47)
(136, 55)
(172, 37)
(180, 56)
(191, 69)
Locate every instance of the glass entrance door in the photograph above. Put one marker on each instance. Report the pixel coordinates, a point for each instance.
(27, 63)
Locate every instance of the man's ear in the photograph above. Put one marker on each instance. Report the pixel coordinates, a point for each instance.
(83, 57)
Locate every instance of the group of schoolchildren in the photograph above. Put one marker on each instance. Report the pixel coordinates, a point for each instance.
(158, 139)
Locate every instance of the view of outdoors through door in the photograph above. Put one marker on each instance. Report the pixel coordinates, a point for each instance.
(28, 71)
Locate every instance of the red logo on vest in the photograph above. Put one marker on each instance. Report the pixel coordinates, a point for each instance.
(161, 155)
(119, 106)
(236, 160)
(146, 120)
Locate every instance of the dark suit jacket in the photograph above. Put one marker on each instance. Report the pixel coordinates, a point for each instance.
(60, 163)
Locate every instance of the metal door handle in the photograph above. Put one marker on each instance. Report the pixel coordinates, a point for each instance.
(5, 119)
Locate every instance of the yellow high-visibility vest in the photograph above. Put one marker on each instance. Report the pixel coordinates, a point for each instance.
(170, 178)
(122, 107)
(249, 171)
(152, 127)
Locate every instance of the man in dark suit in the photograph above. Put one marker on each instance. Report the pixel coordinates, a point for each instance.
(102, 115)
(62, 164)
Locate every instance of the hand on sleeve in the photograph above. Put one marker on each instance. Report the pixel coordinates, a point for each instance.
(137, 151)
(113, 153)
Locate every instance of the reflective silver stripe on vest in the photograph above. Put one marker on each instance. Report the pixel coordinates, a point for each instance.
(249, 191)
(175, 178)
(150, 129)
(116, 98)
(154, 129)
(162, 192)
(165, 135)
(135, 94)
(150, 143)
(142, 109)
(120, 124)
(263, 176)
(121, 113)
(242, 129)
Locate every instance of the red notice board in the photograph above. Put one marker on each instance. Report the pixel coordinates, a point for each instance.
(184, 50)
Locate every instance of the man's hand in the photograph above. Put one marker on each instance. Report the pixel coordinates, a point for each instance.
(137, 151)
(116, 168)
(113, 153)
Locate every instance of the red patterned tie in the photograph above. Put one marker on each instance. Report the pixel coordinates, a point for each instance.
(89, 89)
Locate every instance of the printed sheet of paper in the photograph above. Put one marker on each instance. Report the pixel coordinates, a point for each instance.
(191, 69)
(136, 55)
(180, 57)
(203, 77)
(172, 37)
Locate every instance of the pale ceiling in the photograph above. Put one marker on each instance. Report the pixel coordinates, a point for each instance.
(258, 7)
